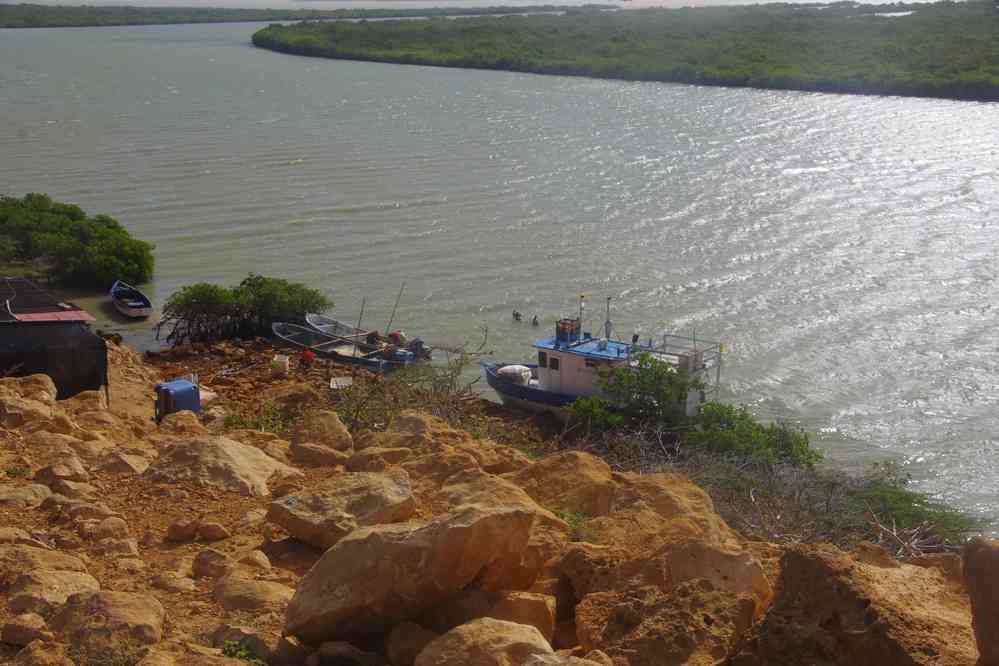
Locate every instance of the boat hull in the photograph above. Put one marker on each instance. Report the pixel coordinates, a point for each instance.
(323, 345)
(129, 301)
(527, 398)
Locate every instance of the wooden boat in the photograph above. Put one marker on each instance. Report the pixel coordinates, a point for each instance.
(340, 329)
(130, 301)
(342, 350)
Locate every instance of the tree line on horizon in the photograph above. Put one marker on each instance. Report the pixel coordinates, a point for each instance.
(65, 16)
(945, 49)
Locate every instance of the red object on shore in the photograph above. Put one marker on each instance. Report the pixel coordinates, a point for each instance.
(308, 356)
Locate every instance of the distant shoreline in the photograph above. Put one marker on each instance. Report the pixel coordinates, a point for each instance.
(65, 16)
(942, 50)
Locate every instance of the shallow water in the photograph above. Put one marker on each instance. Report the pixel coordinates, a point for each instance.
(845, 248)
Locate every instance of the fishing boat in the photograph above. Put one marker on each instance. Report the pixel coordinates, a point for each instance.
(569, 365)
(340, 329)
(130, 301)
(343, 350)
(332, 326)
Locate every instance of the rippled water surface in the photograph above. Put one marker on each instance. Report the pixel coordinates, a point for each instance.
(844, 247)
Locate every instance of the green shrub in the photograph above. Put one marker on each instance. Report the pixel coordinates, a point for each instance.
(732, 430)
(79, 250)
(205, 312)
(885, 493)
(236, 650)
(651, 391)
(595, 415)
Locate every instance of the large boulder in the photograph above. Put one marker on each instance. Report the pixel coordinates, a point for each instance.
(485, 642)
(330, 511)
(41, 590)
(530, 608)
(692, 624)
(237, 593)
(97, 620)
(22, 495)
(17, 558)
(572, 481)
(981, 576)
(25, 400)
(548, 536)
(835, 610)
(220, 463)
(377, 576)
(325, 428)
(424, 432)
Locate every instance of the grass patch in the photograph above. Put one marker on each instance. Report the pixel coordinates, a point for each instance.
(266, 418)
(16, 472)
(236, 650)
(575, 520)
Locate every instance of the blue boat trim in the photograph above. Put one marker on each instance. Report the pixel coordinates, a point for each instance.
(519, 392)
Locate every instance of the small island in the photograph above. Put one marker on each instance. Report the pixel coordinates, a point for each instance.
(946, 49)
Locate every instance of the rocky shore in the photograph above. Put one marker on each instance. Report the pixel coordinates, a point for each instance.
(123, 542)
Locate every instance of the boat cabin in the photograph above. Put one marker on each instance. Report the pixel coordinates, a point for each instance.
(570, 362)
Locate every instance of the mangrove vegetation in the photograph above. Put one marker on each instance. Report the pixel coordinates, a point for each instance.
(945, 49)
(50, 16)
(206, 312)
(40, 237)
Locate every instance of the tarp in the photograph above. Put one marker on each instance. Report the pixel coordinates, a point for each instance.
(75, 358)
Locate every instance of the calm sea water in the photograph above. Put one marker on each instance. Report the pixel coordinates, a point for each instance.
(844, 247)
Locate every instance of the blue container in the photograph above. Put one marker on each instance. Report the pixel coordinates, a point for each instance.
(176, 396)
(403, 356)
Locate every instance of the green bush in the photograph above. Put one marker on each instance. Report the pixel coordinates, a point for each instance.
(886, 494)
(205, 312)
(732, 430)
(652, 391)
(79, 250)
(595, 415)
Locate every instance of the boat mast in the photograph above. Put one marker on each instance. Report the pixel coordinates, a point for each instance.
(388, 326)
(607, 321)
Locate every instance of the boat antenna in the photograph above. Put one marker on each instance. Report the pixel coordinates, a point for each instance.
(607, 322)
(582, 299)
(360, 316)
(388, 326)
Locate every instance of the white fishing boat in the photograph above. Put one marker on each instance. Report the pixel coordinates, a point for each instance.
(568, 366)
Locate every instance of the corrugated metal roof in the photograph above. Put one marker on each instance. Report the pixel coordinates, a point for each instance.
(615, 349)
(21, 300)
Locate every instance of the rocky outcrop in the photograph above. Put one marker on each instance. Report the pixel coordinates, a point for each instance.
(41, 590)
(330, 511)
(981, 576)
(691, 623)
(377, 576)
(834, 610)
(16, 559)
(220, 463)
(103, 620)
(485, 642)
(237, 593)
(572, 481)
(324, 428)
(25, 400)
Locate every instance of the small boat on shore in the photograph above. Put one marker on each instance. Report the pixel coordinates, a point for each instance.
(340, 329)
(342, 349)
(569, 364)
(129, 301)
